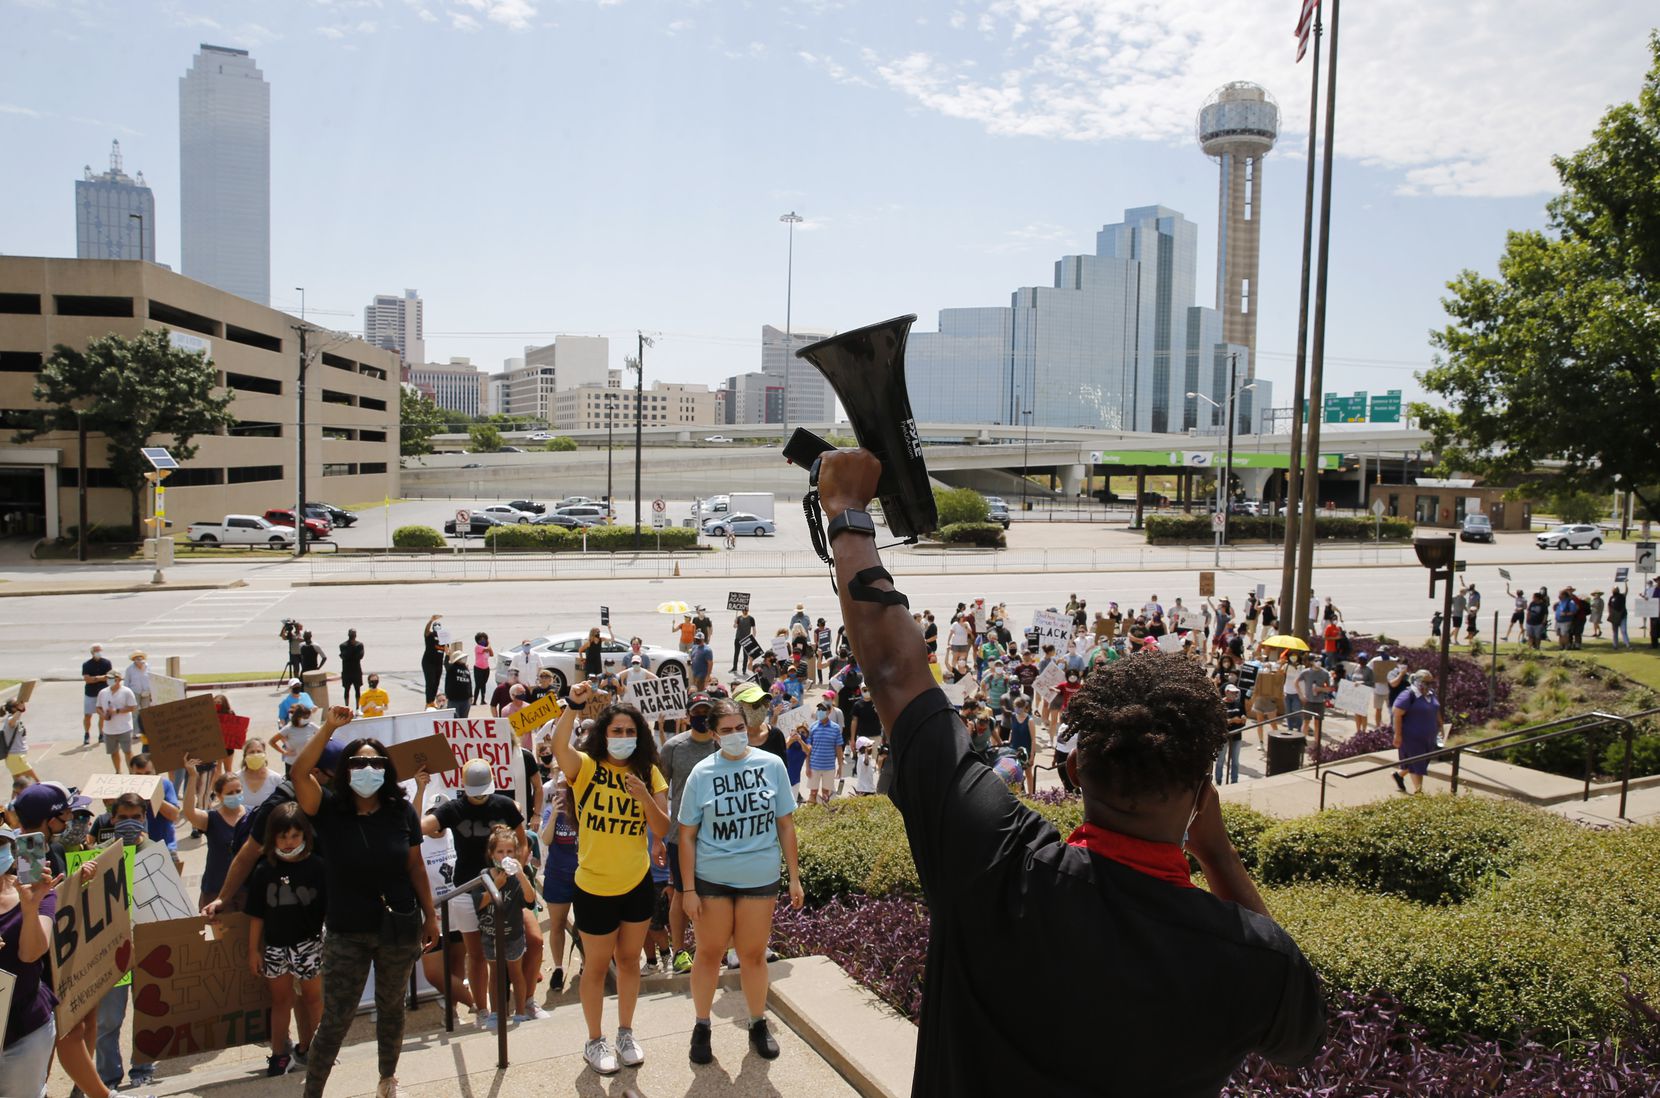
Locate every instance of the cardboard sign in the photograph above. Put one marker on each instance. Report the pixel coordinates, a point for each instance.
(1504, 574)
(1262, 591)
(158, 894)
(781, 648)
(1207, 584)
(233, 730)
(183, 728)
(92, 936)
(799, 717)
(1051, 627)
(7, 983)
(74, 859)
(194, 991)
(1381, 670)
(664, 697)
(107, 787)
(432, 752)
(393, 728)
(1266, 693)
(535, 715)
(163, 689)
(1353, 697)
(1043, 687)
(20, 693)
(1171, 643)
(484, 738)
(738, 600)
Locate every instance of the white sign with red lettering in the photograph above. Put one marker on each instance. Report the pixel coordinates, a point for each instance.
(480, 738)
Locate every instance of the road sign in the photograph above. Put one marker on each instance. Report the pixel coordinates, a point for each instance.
(1386, 407)
(1339, 409)
(1645, 557)
(1377, 508)
(463, 517)
(659, 506)
(1218, 521)
(659, 520)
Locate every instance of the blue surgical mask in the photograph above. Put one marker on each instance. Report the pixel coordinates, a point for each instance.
(620, 747)
(232, 802)
(366, 782)
(7, 858)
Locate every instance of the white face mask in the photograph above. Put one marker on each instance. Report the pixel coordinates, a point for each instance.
(734, 744)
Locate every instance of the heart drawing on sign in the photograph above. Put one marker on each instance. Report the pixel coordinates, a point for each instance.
(124, 956)
(149, 1001)
(153, 1042)
(156, 962)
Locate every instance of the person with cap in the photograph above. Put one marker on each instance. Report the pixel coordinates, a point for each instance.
(735, 818)
(469, 819)
(94, 677)
(702, 622)
(700, 661)
(1418, 726)
(800, 617)
(680, 753)
(30, 1027)
(298, 732)
(458, 683)
(825, 749)
(296, 696)
(758, 710)
(502, 695)
(1233, 710)
(137, 678)
(44, 809)
(116, 706)
(1617, 618)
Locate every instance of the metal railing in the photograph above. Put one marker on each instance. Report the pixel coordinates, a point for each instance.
(503, 1002)
(1579, 725)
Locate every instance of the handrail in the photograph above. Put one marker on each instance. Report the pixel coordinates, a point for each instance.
(1597, 718)
(502, 1000)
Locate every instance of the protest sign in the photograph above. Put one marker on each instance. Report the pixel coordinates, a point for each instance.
(1043, 687)
(164, 689)
(1207, 584)
(664, 697)
(433, 753)
(393, 728)
(75, 859)
(1266, 699)
(194, 991)
(738, 600)
(107, 787)
(535, 715)
(1050, 627)
(799, 717)
(1262, 591)
(183, 728)
(1171, 643)
(1353, 697)
(1620, 576)
(781, 647)
(7, 982)
(158, 894)
(1645, 608)
(92, 936)
(484, 738)
(21, 692)
(605, 616)
(1381, 670)
(752, 650)
(233, 730)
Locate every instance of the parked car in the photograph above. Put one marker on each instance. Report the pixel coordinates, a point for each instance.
(574, 501)
(477, 527)
(315, 528)
(505, 512)
(569, 522)
(594, 513)
(740, 524)
(558, 654)
(717, 438)
(337, 516)
(529, 507)
(240, 530)
(715, 505)
(1476, 528)
(1571, 535)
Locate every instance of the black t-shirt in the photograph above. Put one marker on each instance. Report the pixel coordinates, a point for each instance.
(470, 824)
(1138, 960)
(252, 825)
(98, 665)
(368, 863)
(351, 657)
(868, 722)
(290, 897)
(743, 626)
(776, 743)
(930, 634)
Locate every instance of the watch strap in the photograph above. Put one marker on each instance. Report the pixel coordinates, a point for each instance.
(855, 521)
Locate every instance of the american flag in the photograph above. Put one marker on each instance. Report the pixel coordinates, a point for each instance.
(1305, 24)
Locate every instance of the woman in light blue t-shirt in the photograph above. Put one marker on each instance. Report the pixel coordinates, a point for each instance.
(735, 815)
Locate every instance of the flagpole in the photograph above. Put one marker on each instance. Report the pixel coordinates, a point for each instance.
(1293, 475)
(1316, 375)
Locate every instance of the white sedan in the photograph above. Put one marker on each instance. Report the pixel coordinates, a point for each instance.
(1571, 535)
(501, 512)
(717, 438)
(558, 654)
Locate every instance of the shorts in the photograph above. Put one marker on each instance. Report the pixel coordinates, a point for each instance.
(821, 781)
(464, 913)
(959, 649)
(453, 939)
(709, 890)
(122, 743)
(17, 762)
(515, 944)
(559, 886)
(1516, 618)
(672, 852)
(602, 915)
(89, 706)
(303, 961)
(660, 905)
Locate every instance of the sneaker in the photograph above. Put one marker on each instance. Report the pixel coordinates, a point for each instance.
(557, 984)
(389, 1088)
(86, 741)
(731, 958)
(278, 1064)
(487, 1021)
(701, 1052)
(1400, 782)
(298, 1056)
(141, 1075)
(629, 1050)
(600, 1057)
(683, 961)
(535, 1013)
(761, 1040)
(517, 1018)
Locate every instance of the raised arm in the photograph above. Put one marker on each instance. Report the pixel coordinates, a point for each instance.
(564, 751)
(198, 817)
(306, 790)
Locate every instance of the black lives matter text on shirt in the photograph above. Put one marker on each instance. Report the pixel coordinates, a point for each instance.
(742, 805)
(607, 807)
(367, 868)
(290, 897)
(470, 825)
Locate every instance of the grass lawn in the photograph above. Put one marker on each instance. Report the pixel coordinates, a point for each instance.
(1641, 663)
(230, 676)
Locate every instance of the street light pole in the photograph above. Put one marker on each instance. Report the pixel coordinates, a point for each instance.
(792, 219)
(1026, 456)
(609, 451)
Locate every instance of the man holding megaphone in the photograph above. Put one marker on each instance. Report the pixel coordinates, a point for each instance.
(1156, 987)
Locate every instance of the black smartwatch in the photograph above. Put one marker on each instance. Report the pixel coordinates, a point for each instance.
(851, 521)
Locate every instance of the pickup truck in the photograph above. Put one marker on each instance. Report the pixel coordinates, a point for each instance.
(240, 530)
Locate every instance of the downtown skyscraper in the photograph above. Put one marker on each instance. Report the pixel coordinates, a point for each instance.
(225, 173)
(115, 214)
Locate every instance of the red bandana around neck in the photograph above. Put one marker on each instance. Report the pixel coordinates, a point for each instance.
(1163, 861)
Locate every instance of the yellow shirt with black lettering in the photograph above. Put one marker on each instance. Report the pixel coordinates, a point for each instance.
(612, 852)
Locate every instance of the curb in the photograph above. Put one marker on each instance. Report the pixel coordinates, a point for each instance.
(124, 589)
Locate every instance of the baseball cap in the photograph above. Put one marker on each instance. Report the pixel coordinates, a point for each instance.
(39, 803)
(292, 683)
(477, 779)
(749, 693)
(697, 700)
(699, 635)
(8, 834)
(330, 760)
(634, 659)
(80, 803)
(1231, 688)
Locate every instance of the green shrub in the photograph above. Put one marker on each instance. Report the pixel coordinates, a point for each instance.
(417, 537)
(1195, 528)
(528, 536)
(1436, 850)
(987, 535)
(621, 538)
(1246, 826)
(1645, 756)
(560, 444)
(957, 505)
(100, 534)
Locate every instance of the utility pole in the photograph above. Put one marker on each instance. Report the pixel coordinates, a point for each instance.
(1293, 474)
(299, 473)
(610, 450)
(792, 219)
(1316, 377)
(80, 486)
(1026, 457)
(639, 404)
(1233, 415)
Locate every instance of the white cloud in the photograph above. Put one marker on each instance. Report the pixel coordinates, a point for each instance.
(1467, 99)
(345, 30)
(512, 14)
(461, 21)
(13, 108)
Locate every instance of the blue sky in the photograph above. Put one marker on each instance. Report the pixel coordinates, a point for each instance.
(533, 166)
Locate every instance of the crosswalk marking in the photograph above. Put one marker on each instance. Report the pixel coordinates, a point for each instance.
(205, 620)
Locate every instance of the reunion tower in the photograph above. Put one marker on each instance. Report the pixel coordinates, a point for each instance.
(1237, 127)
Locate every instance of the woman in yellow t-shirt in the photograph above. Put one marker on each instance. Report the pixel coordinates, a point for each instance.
(619, 793)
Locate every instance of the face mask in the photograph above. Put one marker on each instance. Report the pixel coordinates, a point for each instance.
(374, 684)
(734, 743)
(293, 855)
(130, 831)
(255, 761)
(232, 802)
(700, 722)
(6, 859)
(75, 834)
(367, 782)
(620, 747)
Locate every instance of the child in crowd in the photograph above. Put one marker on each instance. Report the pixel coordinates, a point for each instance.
(285, 932)
(516, 894)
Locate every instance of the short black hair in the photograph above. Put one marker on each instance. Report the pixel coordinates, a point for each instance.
(1147, 726)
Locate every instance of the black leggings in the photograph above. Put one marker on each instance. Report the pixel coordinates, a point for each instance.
(432, 669)
(481, 680)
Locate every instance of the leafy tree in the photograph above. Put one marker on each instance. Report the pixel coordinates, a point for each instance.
(957, 505)
(135, 392)
(419, 420)
(484, 438)
(1558, 359)
(560, 444)
(1577, 506)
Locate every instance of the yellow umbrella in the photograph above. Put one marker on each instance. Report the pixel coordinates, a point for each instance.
(1285, 640)
(673, 608)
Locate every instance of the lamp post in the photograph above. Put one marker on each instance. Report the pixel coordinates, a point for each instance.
(140, 219)
(1222, 478)
(792, 219)
(1026, 456)
(609, 451)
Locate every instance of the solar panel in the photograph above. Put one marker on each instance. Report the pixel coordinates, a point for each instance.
(159, 458)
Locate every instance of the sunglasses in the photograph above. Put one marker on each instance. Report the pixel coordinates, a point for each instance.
(366, 762)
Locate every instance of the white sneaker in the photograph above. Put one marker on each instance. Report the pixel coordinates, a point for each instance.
(600, 1057)
(629, 1049)
(535, 1013)
(389, 1088)
(486, 1021)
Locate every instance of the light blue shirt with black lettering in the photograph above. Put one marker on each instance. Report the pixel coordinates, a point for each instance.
(735, 805)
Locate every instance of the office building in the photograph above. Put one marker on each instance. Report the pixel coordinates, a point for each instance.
(665, 404)
(529, 384)
(398, 324)
(811, 400)
(752, 398)
(115, 214)
(225, 173)
(456, 385)
(351, 397)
